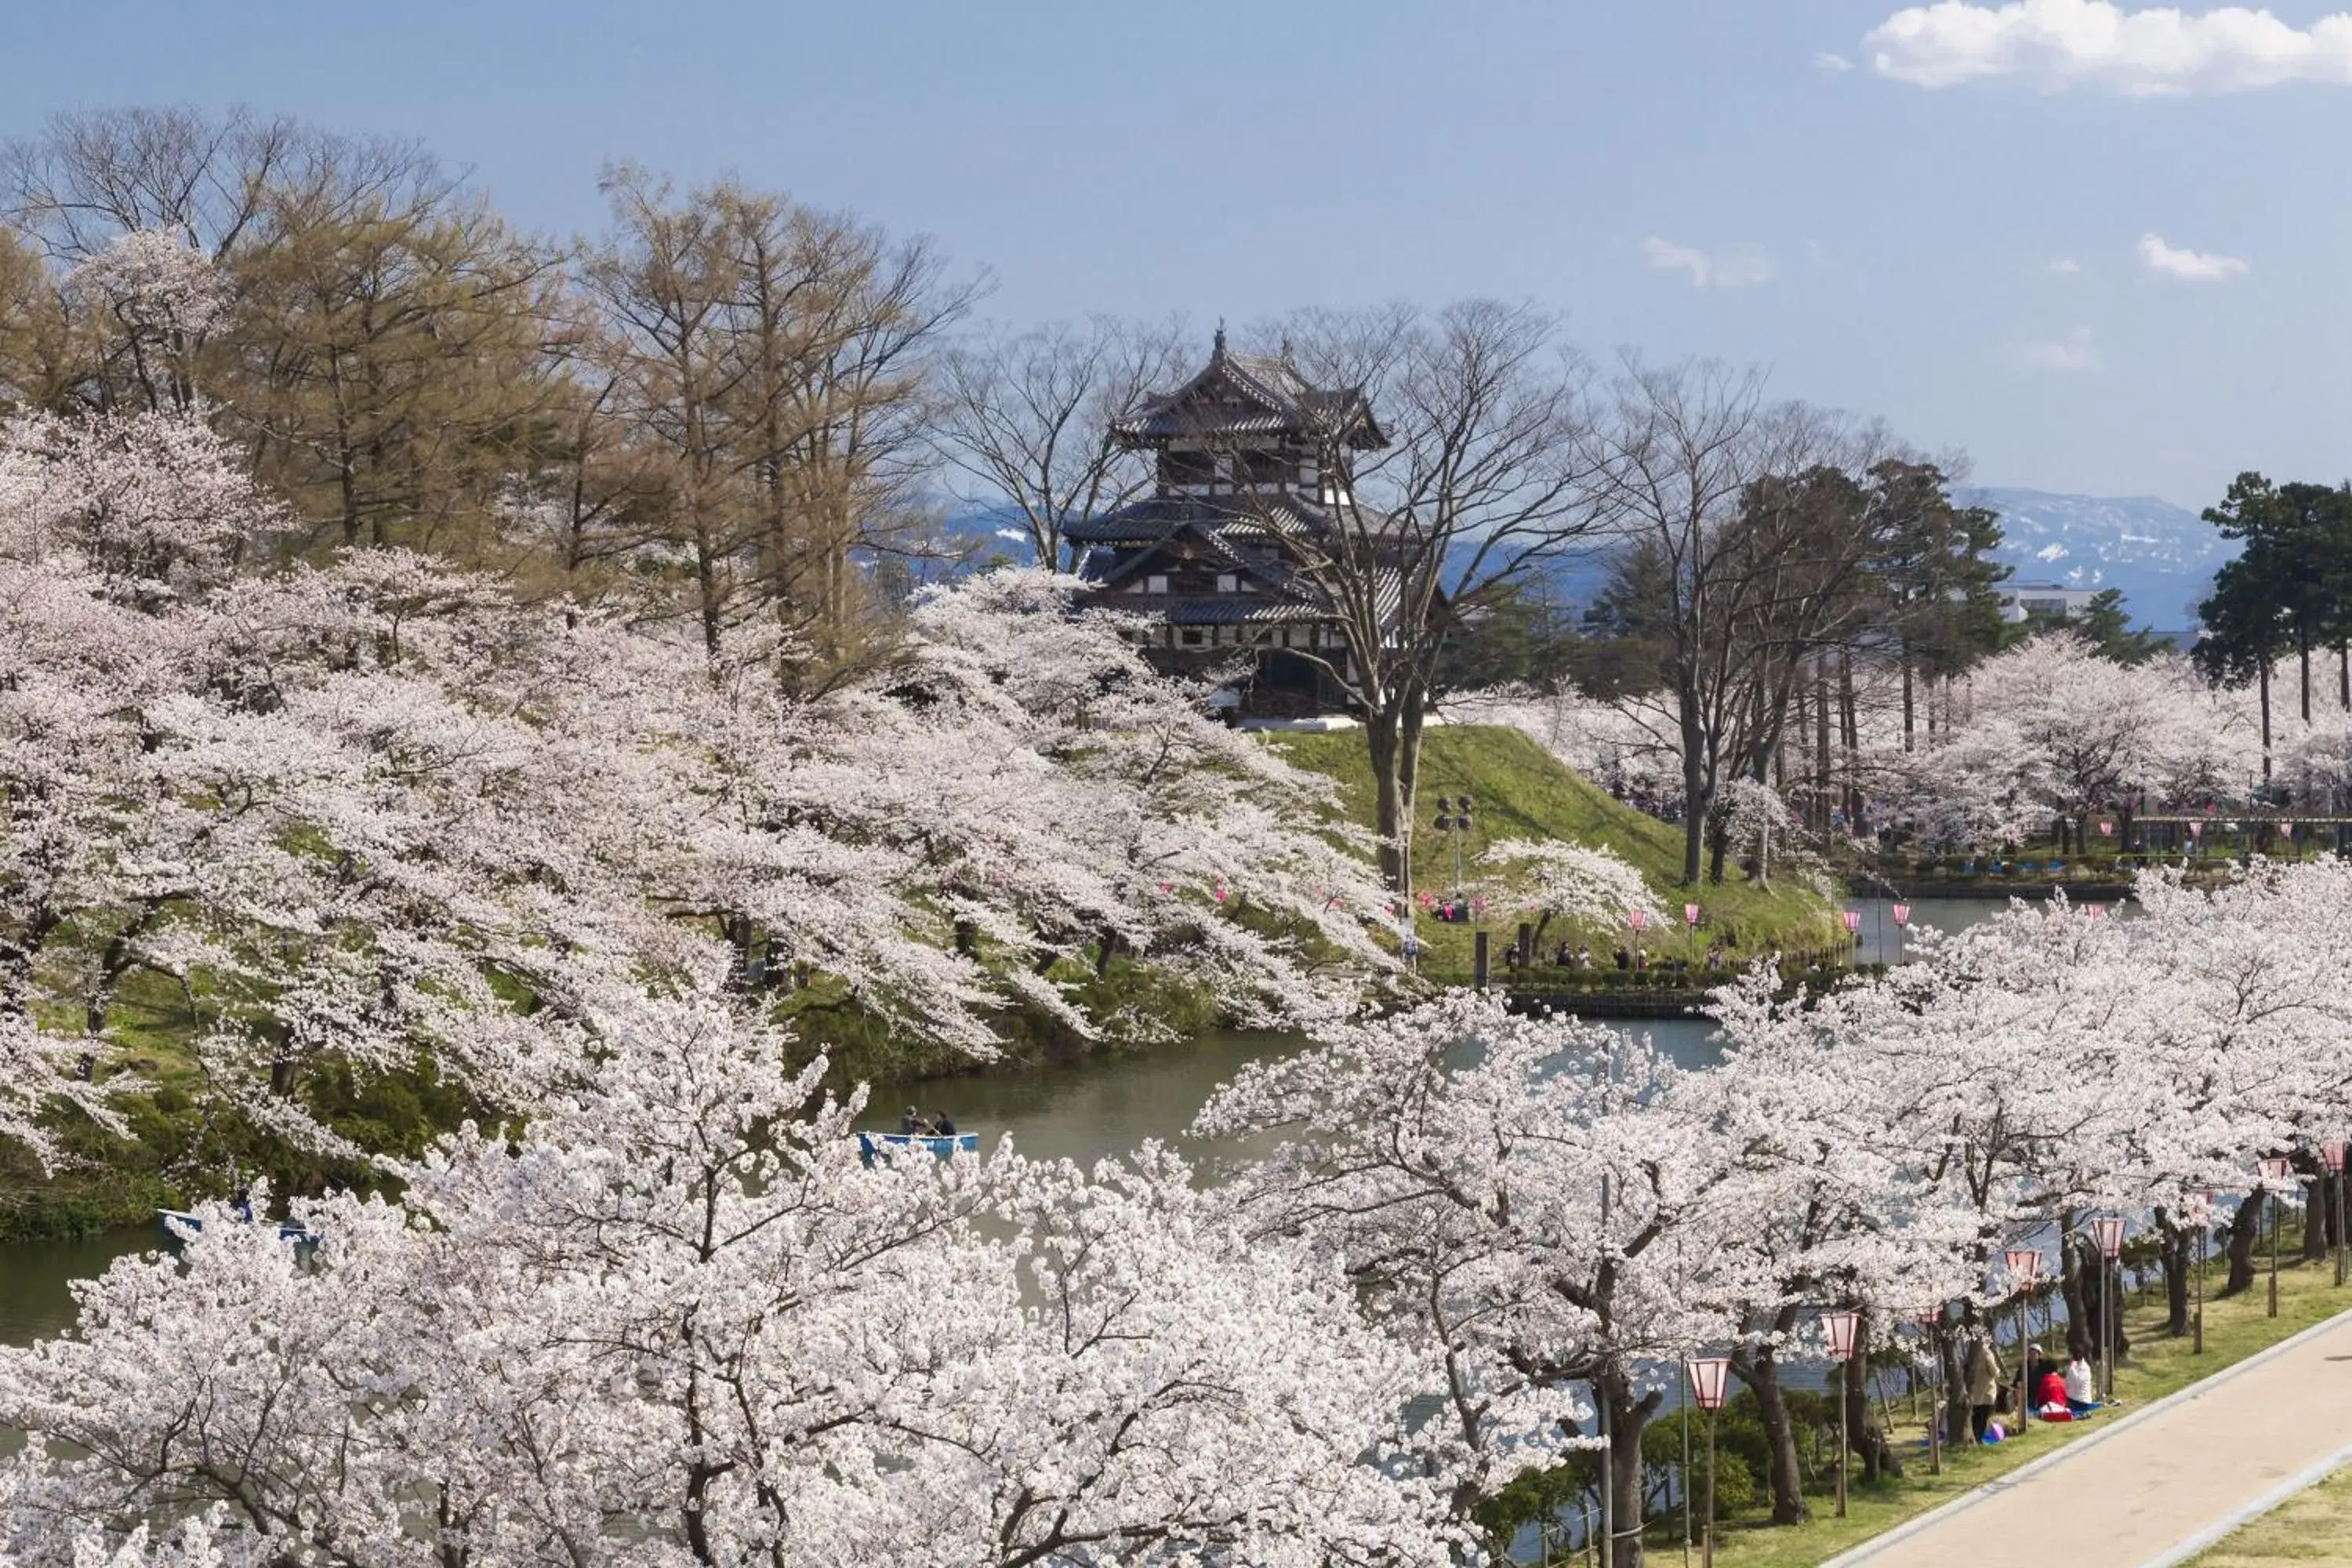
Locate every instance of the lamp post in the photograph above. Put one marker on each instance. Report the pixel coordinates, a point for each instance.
(1690, 923)
(1853, 934)
(2024, 1267)
(1902, 913)
(2276, 1170)
(1710, 1381)
(2109, 1235)
(2331, 1154)
(1637, 919)
(1454, 818)
(1839, 1325)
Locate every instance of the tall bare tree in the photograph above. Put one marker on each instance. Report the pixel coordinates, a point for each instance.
(1477, 487)
(1703, 478)
(1025, 416)
(775, 357)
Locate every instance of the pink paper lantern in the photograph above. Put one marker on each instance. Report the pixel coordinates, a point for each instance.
(2275, 1169)
(1638, 919)
(2108, 1232)
(1690, 914)
(2106, 830)
(1929, 1317)
(1221, 892)
(1710, 1382)
(2197, 830)
(2024, 1266)
(2286, 827)
(2331, 1154)
(2095, 912)
(1839, 1326)
(1902, 914)
(1853, 920)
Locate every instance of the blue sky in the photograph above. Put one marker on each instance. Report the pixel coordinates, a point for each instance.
(2098, 251)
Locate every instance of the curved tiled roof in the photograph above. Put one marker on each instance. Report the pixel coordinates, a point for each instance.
(1237, 395)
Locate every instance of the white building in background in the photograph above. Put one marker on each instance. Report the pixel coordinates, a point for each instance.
(2047, 601)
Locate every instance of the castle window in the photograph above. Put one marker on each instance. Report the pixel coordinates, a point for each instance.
(1155, 584)
(1228, 583)
(1189, 637)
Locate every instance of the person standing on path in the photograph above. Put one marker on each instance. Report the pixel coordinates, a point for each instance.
(1981, 1376)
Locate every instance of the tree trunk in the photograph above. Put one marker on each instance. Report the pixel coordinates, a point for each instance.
(2344, 674)
(2314, 1221)
(1849, 735)
(1761, 1374)
(1863, 1434)
(1628, 1418)
(2177, 1253)
(1698, 799)
(2265, 667)
(1909, 711)
(2078, 1259)
(2303, 656)
(1822, 741)
(2245, 1230)
(1391, 812)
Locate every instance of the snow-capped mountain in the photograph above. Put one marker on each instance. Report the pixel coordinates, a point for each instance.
(2162, 556)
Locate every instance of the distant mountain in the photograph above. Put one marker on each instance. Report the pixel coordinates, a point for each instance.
(2162, 556)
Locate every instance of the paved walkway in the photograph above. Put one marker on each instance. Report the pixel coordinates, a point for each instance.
(2161, 1484)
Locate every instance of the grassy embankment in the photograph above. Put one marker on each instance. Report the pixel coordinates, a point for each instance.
(2235, 1330)
(1520, 791)
(2313, 1526)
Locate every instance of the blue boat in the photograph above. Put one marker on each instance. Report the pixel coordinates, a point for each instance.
(940, 1143)
(177, 1221)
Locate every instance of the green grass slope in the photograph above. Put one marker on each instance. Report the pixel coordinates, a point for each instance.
(1521, 791)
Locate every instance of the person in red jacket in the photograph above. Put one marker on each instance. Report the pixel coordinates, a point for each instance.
(2049, 1397)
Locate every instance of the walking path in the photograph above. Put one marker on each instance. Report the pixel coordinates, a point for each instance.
(2162, 1483)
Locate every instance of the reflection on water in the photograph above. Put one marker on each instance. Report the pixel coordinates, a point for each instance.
(37, 1278)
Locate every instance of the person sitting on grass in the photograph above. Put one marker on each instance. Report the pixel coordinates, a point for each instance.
(2081, 1387)
(2050, 1396)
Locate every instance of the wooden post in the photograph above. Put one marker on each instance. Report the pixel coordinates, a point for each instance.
(1479, 959)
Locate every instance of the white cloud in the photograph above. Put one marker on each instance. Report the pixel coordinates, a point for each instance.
(2067, 265)
(1833, 65)
(2072, 355)
(1738, 267)
(2095, 43)
(2188, 265)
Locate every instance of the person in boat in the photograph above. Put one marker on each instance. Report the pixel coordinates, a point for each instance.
(912, 1123)
(943, 1124)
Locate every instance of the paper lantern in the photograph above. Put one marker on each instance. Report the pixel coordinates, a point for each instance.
(2106, 830)
(2109, 1235)
(1902, 913)
(2024, 1266)
(1853, 920)
(1638, 919)
(1690, 914)
(2095, 912)
(2275, 1169)
(1710, 1382)
(1839, 1326)
(2196, 831)
(2331, 1154)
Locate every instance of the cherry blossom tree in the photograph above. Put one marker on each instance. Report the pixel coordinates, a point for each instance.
(1525, 1202)
(676, 1321)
